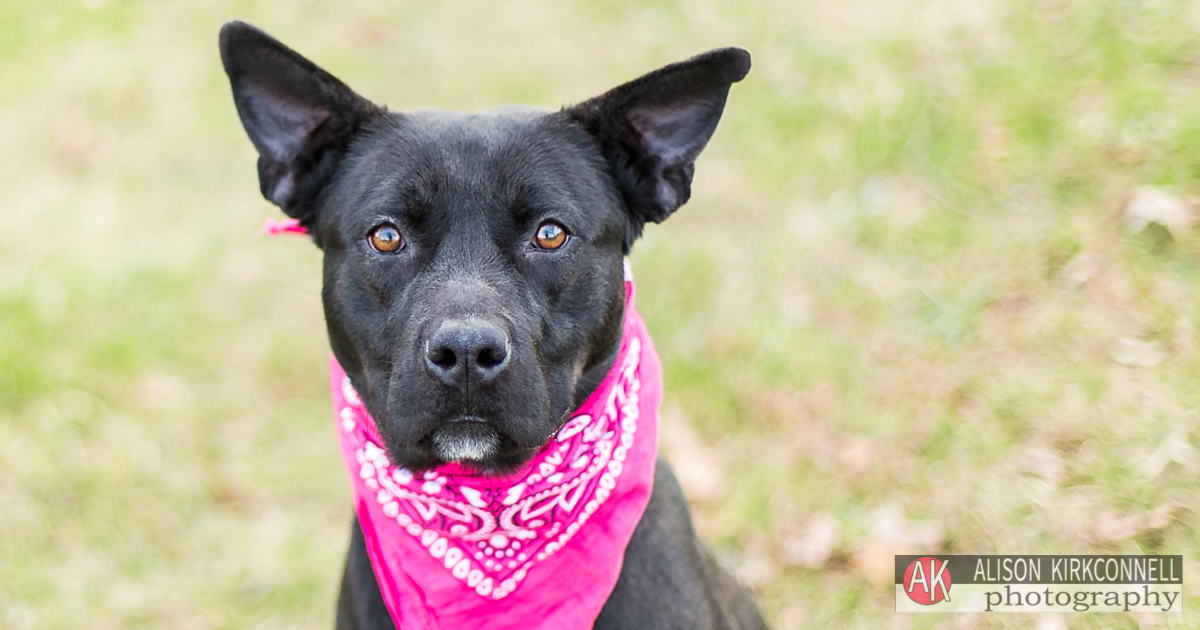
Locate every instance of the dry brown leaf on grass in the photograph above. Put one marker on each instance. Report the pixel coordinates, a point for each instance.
(1160, 517)
(802, 409)
(1112, 527)
(893, 534)
(856, 455)
(1183, 339)
(1045, 462)
(1151, 204)
(126, 596)
(995, 141)
(1136, 353)
(794, 616)
(162, 391)
(804, 416)
(757, 567)
(813, 546)
(1174, 448)
(21, 616)
(968, 621)
(698, 467)
(1051, 621)
(1079, 270)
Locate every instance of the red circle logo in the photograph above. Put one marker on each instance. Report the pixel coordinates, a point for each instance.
(927, 581)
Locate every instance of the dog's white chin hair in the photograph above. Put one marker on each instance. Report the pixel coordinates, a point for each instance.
(455, 446)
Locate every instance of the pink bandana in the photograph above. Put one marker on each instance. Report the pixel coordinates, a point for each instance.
(271, 227)
(541, 548)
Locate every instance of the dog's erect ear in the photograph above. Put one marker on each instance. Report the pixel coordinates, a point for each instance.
(651, 129)
(299, 117)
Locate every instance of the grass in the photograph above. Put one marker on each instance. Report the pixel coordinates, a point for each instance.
(904, 310)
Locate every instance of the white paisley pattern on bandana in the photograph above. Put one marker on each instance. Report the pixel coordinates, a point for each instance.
(489, 536)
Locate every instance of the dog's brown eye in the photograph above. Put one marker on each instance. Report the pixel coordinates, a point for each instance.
(386, 239)
(550, 235)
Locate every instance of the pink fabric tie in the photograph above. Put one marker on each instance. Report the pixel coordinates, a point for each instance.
(271, 227)
(540, 548)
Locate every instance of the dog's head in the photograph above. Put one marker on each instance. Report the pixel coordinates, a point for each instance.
(473, 262)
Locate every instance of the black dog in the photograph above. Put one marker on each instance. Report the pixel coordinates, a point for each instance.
(473, 277)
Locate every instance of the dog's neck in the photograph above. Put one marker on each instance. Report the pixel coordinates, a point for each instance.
(593, 377)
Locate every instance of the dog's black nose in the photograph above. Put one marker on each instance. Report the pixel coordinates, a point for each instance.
(462, 349)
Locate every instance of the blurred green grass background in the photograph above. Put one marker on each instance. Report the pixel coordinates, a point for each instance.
(937, 290)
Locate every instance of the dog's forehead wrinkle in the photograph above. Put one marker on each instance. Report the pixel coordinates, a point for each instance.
(468, 289)
(469, 247)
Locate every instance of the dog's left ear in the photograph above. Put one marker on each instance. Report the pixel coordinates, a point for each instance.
(299, 117)
(651, 129)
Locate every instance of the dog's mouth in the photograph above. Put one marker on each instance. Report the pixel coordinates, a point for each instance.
(473, 442)
(465, 439)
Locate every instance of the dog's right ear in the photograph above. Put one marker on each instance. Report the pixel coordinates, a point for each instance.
(299, 117)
